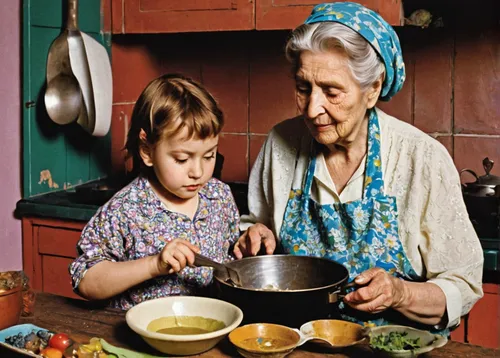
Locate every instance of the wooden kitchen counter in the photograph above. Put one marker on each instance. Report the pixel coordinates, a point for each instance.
(82, 321)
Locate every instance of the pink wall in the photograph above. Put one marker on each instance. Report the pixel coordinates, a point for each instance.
(10, 135)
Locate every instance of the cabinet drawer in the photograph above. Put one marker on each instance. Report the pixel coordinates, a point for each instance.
(152, 16)
(55, 276)
(58, 241)
(287, 14)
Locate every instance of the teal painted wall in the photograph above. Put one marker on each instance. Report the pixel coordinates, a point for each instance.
(55, 157)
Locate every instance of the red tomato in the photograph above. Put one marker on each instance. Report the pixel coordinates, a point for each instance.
(50, 352)
(60, 341)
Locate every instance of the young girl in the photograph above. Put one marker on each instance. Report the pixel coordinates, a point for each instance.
(137, 246)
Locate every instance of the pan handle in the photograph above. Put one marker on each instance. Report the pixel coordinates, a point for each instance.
(341, 292)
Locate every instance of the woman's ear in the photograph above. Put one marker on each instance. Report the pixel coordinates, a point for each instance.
(144, 149)
(374, 92)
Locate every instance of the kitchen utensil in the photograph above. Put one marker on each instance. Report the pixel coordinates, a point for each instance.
(63, 97)
(482, 199)
(91, 66)
(284, 289)
(102, 86)
(485, 185)
(221, 270)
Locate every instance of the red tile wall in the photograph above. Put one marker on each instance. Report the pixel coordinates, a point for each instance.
(452, 90)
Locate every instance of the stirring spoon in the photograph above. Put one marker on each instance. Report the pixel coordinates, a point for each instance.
(228, 274)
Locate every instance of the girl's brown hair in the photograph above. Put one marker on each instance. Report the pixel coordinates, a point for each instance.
(166, 106)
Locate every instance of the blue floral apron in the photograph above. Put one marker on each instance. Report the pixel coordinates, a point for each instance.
(359, 234)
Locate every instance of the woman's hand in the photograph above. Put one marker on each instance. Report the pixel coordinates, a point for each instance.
(176, 255)
(380, 291)
(251, 241)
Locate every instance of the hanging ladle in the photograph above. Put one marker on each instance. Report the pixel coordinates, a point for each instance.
(63, 96)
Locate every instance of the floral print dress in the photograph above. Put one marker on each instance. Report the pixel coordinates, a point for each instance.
(135, 224)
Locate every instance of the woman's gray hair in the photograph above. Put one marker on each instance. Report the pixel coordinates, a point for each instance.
(365, 64)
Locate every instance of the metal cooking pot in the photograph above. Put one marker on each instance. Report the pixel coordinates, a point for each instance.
(284, 289)
(485, 185)
(482, 199)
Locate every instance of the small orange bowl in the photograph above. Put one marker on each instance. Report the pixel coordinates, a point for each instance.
(339, 333)
(264, 339)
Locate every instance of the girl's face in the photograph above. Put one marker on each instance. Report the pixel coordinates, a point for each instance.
(182, 166)
(329, 97)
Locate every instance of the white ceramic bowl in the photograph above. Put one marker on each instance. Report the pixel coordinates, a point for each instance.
(428, 340)
(139, 317)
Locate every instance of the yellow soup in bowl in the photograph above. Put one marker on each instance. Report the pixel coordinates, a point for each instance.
(185, 325)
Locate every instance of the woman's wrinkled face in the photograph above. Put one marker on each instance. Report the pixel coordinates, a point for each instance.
(331, 100)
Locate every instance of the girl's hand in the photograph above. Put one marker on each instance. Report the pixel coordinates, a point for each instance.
(251, 241)
(176, 255)
(381, 292)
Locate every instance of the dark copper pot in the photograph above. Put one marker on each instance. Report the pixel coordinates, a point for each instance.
(11, 305)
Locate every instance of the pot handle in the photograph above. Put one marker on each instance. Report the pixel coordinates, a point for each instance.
(304, 337)
(488, 165)
(471, 172)
(340, 293)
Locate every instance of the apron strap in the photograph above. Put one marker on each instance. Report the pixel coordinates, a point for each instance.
(310, 173)
(373, 183)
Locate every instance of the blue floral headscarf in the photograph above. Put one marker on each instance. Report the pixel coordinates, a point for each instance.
(375, 30)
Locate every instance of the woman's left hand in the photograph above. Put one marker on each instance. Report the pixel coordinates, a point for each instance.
(380, 291)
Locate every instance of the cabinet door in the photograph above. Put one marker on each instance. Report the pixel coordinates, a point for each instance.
(484, 319)
(55, 276)
(150, 16)
(49, 246)
(288, 14)
(458, 335)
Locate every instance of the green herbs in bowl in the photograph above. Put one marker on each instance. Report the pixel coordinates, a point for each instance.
(402, 341)
(395, 341)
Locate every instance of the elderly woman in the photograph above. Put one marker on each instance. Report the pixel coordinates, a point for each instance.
(350, 183)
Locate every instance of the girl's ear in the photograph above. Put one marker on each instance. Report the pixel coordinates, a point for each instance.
(144, 149)
(374, 92)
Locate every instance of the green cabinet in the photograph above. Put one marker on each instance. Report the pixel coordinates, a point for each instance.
(55, 157)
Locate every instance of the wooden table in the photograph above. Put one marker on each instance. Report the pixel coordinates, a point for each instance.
(82, 320)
